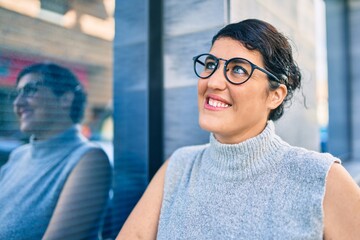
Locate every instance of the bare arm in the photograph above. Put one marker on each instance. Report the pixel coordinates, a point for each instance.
(143, 221)
(341, 205)
(83, 199)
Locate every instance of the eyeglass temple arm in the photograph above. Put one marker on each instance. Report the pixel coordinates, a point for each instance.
(269, 74)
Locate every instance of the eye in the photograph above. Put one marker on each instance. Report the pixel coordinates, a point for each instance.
(210, 65)
(239, 70)
(30, 90)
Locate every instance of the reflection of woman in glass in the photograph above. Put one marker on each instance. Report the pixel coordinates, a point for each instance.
(247, 183)
(55, 187)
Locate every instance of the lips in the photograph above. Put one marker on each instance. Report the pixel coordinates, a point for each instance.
(23, 113)
(216, 103)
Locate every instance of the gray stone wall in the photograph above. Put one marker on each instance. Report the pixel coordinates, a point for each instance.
(130, 108)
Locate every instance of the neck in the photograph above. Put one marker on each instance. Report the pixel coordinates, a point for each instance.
(244, 159)
(242, 135)
(51, 131)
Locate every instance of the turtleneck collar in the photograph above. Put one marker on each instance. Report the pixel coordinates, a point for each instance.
(247, 158)
(66, 140)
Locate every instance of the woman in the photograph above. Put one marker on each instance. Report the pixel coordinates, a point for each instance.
(247, 183)
(55, 187)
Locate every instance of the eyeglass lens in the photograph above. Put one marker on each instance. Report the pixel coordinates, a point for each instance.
(29, 90)
(238, 70)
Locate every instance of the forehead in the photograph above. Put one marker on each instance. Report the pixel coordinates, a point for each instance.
(229, 48)
(29, 78)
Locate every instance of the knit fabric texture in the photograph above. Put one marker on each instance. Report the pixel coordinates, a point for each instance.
(261, 188)
(32, 180)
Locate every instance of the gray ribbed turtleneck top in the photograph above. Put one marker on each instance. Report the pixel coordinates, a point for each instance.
(32, 180)
(261, 188)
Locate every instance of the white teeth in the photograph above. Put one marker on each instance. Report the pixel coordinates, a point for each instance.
(215, 103)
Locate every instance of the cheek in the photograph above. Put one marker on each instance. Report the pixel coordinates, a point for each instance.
(44, 105)
(249, 100)
(38, 102)
(201, 88)
(202, 85)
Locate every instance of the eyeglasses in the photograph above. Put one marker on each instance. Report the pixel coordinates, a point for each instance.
(28, 91)
(236, 70)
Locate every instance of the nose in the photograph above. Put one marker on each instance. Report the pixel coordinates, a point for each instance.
(217, 80)
(19, 100)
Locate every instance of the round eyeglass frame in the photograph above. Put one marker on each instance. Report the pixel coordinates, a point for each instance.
(28, 91)
(217, 60)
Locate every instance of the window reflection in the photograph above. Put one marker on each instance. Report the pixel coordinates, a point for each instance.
(75, 34)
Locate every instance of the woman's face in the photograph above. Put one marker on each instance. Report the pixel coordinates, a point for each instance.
(38, 109)
(234, 113)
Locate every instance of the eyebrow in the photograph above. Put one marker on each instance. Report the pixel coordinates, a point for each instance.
(33, 83)
(239, 59)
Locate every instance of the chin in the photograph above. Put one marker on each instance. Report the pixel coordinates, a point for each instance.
(208, 125)
(26, 128)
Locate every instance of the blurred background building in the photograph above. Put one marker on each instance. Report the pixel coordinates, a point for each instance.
(343, 51)
(140, 69)
(77, 34)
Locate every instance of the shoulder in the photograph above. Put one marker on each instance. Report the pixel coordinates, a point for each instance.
(304, 158)
(341, 205)
(87, 163)
(20, 150)
(181, 163)
(89, 152)
(91, 157)
(307, 166)
(188, 152)
(185, 156)
(88, 147)
(17, 154)
(302, 154)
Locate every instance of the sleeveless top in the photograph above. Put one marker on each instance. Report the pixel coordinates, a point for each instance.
(32, 180)
(261, 188)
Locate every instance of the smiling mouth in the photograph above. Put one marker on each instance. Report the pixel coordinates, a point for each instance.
(216, 103)
(24, 113)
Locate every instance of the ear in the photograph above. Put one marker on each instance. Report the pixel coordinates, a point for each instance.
(67, 99)
(277, 96)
